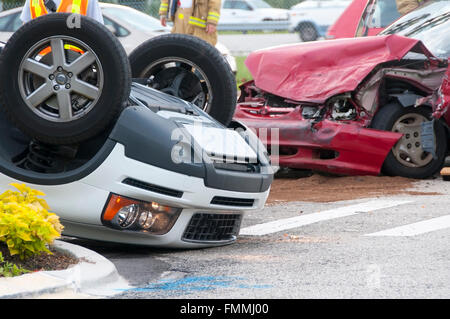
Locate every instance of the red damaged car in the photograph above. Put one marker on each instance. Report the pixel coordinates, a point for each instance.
(358, 106)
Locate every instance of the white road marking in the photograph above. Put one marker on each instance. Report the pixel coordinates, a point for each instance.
(418, 228)
(293, 222)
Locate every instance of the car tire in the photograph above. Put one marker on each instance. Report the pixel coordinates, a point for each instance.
(307, 32)
(205, 76)
(52, 96)
(406, 120)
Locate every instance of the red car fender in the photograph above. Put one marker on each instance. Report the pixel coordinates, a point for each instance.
(298, 143)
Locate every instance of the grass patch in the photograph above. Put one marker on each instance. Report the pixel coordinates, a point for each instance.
(243, 74)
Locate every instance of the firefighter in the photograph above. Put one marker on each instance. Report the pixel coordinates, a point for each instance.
(35, 8)
(194, 17)
(405, 6)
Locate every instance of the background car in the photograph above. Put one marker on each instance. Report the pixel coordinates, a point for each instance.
(249, 11)
(311, 18)
(129, 25)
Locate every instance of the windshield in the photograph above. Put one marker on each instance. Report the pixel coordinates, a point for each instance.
(259, 4)
(430, 24)
(134, 18)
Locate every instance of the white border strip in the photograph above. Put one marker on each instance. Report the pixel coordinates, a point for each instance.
(298, 221)
(418, 228)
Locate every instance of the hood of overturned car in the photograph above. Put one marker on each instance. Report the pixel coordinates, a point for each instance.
(315, 71)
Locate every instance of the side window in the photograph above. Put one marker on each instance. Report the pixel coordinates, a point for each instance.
(242, 5)
(4, 23)
(15, 23)
(385, 13)
(119, 31)
(228, 4)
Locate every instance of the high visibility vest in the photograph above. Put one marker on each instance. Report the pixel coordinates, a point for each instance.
(37, 7)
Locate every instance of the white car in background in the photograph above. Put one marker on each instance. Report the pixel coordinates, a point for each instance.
(130, 26)
(250, 11)
(311, 18)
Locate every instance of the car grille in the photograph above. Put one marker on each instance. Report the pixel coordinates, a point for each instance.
(231, 201)
(153, 188)
(205, 227)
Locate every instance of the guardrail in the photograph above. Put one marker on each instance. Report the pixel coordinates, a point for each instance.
(260, 26)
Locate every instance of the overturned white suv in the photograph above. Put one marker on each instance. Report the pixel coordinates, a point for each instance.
(139, 149)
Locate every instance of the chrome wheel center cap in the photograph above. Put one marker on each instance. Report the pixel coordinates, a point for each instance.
(61, 79)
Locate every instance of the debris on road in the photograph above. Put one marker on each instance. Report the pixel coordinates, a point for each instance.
(328, 188)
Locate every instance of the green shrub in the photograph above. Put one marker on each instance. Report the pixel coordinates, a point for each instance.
(8, 269)
(26, 226)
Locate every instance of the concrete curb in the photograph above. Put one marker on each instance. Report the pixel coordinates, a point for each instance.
(93, 277)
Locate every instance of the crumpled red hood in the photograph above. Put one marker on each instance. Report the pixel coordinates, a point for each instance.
(315, 71)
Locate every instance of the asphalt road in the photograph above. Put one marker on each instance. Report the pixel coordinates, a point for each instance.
(349, 249)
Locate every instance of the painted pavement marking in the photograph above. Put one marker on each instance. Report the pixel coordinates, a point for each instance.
(298, 221)
(418, 228)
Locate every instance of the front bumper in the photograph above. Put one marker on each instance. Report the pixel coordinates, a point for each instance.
(177, 237)
(345, 148)
(80, 204)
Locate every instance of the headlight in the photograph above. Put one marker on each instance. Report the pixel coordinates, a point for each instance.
(129, 214)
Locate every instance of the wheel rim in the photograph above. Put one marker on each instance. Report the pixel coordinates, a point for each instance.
(308, 33)
(181, 78)
(408, 150)
(60, 79)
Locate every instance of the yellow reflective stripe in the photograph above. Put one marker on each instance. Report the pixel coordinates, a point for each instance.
(197, 22)
(163, 7)
(214, 14)
(76, 6)
(213, 18)
(37, 8)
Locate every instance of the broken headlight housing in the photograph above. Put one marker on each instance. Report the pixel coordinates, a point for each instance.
(125, 213)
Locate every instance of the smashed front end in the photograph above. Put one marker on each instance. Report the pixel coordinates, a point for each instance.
(313, 104)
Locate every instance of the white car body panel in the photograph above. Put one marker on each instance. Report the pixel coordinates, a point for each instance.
(322, 13)
(251, 14)
(83, 217)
